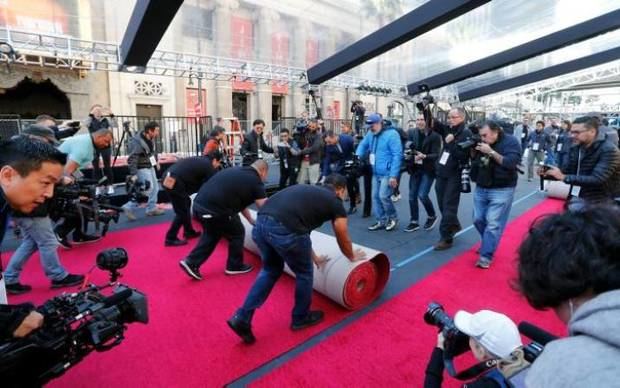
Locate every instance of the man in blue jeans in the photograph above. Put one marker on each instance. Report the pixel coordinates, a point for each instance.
(282, 233)
(494, 169)
(384, 150)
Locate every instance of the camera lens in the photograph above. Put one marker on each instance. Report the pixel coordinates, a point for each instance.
(112, 259)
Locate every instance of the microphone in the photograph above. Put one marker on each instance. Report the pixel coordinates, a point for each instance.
(536, 333)
(116, 298)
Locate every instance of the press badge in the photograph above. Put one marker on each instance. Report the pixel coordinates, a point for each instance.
(559, 147)
(523, 134)
(153, 161)
(371, 159)
(535, 147)
(444, 158)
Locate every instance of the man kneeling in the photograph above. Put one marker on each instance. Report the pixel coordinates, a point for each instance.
(282, 233)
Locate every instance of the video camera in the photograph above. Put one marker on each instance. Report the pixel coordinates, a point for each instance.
(470, 142)
(74, 325)
(137, 190)
(353, 168)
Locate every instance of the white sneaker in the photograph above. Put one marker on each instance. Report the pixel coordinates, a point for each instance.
(395, 198)
(110, 190)
(98, 191)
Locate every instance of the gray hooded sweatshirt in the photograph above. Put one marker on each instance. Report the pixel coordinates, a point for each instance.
(590, 357)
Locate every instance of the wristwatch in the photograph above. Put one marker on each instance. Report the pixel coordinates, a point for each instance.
(492, 153)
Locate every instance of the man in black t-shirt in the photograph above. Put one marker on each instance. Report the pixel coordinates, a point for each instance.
(282, 233)
(217, 206)
(183, 179)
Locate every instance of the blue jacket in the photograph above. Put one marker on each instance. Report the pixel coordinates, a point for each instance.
(387, 148)
(542, 139)
(335, 155)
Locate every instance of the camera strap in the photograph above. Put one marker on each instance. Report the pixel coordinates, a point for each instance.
(470, 372)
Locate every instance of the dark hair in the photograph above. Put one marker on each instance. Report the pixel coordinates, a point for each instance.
(588, 121)
(494, 126)
(330, 133)
(605, 122)
(284, 130)
(258, 121)
(566, 255)
(540, 122)
(336, 181)
(215, 154)
(568, 124)
(26, 155)
(43, 117)
(216, 131)
(150, 126)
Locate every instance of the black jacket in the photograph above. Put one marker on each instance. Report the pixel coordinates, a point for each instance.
(598, 172)
(94, 125)
(311, 147)
(487, 173)
(250, 146)
(140, 151)
(429, 145)
(458, 157)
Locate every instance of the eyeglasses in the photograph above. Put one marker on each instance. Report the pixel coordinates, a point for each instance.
(577, 132)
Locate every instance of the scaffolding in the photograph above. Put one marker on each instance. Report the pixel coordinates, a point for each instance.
(65, 52)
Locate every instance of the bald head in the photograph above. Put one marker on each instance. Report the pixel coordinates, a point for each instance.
(262, 168)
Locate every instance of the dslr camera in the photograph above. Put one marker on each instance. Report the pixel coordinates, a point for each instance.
(470, 142)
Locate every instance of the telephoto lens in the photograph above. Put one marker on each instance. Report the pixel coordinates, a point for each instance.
(465, 180)
(112, 259)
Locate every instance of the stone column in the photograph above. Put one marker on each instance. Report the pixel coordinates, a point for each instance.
(265, 20)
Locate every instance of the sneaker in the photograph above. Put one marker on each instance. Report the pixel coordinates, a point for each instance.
(191, 270)
(110, 190)
(17, 288)
(242, 329)
(376, 226)
(529, 179)
(483, 263)
(175, 243)
(395, 197)
(391, 225)
(366, 215)
(129, 213)
(98, 191)
(352, 210)
(442, 245)
(63, 241)
(431, 222)
(69, 281)
(412, 227)
(191, 234)
(155, 212)
(244, 268)
(313, 318)
(85, 239)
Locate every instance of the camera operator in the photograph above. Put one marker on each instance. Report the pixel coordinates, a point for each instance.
(358, 110)
(38, 234)
(217, 206)
(593, 164)
(423, 151)
(29, 169)
(492, 337)
(80, 150)
(338, 150)
(254, 144)
(384, 150)
(494, 169)
(216, 140)
(63, 132)
(282, 233)
(288, 155)
(570, 263)
(142, 162)
(538, 143)
(183, 179)
(311, 145)
(450, 165)
(102, 118)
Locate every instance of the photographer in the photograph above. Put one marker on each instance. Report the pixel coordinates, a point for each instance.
(538, 143)
(311, 144)
(338, 150)
(494, 169)
(37, 234)
(288, 155)
(358, 110)
(102, 118)
(80, 150)
(384, 150)
(142, 162)
(593, 164)
(421, 158)
(68, 130)
(450, 165)
(493, 337)
(254, 144)
(570, 263)
(216, 140)
(183, 179)
(29, 169)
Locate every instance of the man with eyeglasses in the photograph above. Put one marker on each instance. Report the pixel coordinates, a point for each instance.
(593, 163)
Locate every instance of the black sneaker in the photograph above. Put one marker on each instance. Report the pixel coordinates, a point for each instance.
(192, 270)
(175, 243)
(85, 239)
(17, 288)
(313, 318)
(352, 210)
(242, 329)
(412, 227)
(376, 226)
(63, 241)
(191, 234)
(431, 222)
(244, 268)
(69, 281)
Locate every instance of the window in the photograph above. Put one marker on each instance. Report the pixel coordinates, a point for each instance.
(197, 22)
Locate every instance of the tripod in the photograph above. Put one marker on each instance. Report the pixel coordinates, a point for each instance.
(126, 131)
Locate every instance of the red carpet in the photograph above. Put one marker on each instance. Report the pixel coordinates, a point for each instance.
(187, 342)
(391, 346)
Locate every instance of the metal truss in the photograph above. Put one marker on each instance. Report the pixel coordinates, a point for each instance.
(64, 52)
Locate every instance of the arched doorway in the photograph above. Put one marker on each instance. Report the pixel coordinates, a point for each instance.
(30, 99)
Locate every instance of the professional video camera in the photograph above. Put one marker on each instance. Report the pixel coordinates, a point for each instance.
(470, 142)
(353, 168)
(137, 190)
(74, 325)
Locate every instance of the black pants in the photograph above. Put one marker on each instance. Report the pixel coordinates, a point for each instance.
(228, 227)
(448, 197)
(353, 188)
(70, 223)
(181, 204)
(287, 175)
(367, 189)
(106, 155)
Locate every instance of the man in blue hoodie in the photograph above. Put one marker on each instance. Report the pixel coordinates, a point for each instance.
(384, 150)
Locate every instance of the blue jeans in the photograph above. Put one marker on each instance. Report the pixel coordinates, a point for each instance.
(38, 233)
(420, 183)
(147, 175)
(278, 245)
(491, 211)
(381, 201)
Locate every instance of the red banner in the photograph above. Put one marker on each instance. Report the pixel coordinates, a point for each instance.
(279, 48)
(34, 15)
(336, 109)
(242, 38)
(312, 52)
(192, 107)
(279, 88)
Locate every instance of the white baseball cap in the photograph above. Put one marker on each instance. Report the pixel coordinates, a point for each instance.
(494, 331)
